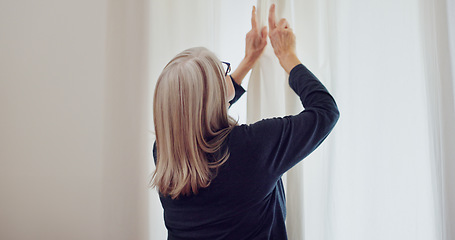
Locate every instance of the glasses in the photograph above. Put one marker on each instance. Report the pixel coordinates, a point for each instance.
(227, 67)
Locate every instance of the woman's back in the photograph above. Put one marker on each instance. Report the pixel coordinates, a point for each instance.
(246, 198)
(236, 205)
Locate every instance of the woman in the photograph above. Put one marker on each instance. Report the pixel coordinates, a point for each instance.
(218, 180)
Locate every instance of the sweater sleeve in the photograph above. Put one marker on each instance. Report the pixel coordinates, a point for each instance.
(278, 144)
(239, 91)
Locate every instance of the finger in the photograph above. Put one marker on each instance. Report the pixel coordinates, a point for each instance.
(264, 32)
(283, 23)
(253, 19)
(263, 37)
(272, 21)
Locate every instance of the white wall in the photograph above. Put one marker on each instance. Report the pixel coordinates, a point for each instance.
(68, 166)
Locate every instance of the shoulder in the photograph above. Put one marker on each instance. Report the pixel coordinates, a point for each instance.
(265, 127)
(257, 137)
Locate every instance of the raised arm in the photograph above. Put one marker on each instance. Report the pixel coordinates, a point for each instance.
(277, 144)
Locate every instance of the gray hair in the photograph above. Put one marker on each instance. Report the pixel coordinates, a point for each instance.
(191, 122)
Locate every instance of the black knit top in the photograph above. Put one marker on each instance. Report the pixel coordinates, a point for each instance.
(246, 198)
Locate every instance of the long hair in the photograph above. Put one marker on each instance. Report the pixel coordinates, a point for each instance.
(191, 123)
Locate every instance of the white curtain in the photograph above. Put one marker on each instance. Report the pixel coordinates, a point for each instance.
(438, 25)
(373, 178)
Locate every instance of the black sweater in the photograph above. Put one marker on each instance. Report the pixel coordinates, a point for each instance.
(246, 199)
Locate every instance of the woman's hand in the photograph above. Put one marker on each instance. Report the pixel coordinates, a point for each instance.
(283, 41)
(255, 40)
(255, 44)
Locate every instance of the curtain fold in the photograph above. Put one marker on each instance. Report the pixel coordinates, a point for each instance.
(437, 34)
(125, 199)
